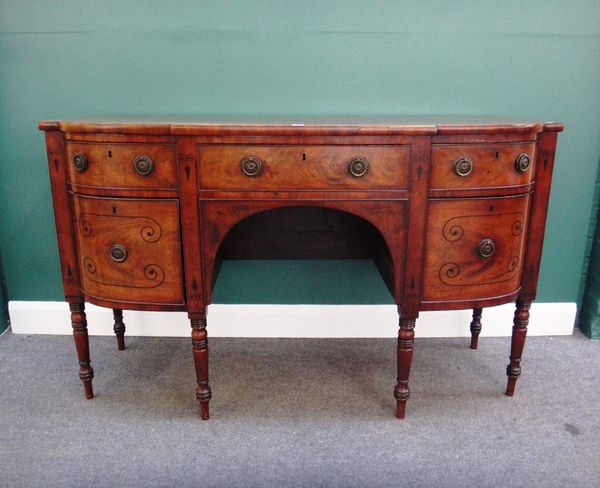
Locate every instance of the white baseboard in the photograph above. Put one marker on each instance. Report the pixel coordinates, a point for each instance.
(29, 317)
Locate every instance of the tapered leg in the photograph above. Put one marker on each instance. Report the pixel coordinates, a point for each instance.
(200, 351)
(119, 328)
(513, 370)
(406, 339)
(82, 344)
(475, 327)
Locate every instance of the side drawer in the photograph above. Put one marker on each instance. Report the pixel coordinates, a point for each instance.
(472, 166)
(474, 247)
(129, 249)
(122, 165)
(311, 167)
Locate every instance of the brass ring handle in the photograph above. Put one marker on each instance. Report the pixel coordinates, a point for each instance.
(251, 166)
(80, 162)
(463, 166)
(523, 162)
(358, 167)
(118, 253)
(486, 248)
(143, 165)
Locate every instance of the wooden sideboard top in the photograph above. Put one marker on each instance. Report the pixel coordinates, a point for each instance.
(343, 126)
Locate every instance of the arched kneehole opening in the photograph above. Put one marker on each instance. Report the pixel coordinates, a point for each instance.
(309, 244)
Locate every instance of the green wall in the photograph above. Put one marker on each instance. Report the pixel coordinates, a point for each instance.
(3, 300)
(536, 60)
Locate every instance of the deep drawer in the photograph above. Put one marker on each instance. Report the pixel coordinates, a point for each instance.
(253, 167)
(129, 249)
(474, 247)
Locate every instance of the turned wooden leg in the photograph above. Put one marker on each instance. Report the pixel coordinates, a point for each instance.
(119, 328)
(82, 344)
(475, 327)
(200, 351)
(406, 339)
(521, 320)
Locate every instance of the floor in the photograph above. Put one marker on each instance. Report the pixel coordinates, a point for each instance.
(299, 412)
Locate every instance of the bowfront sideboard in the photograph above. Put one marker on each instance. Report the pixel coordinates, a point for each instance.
(451, 211)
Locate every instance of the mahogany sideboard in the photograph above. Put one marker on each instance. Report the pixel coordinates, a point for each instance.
(452, 211)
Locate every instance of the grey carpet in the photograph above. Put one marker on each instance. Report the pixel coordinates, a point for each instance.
(295, 412)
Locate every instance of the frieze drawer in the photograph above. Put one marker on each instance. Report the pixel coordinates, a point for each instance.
(129, 249)
(476, 166)
(122, 165)
(232, 167)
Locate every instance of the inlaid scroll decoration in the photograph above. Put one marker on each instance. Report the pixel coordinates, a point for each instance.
(517, 227)
(136, 232)
(84, 226)
(150, 231)
(461, 268)
(453, 232)
(513, 263)
(153, 274)
(449, 271)
(90, 265)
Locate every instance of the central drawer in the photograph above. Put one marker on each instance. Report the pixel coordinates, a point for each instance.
(310, 167)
